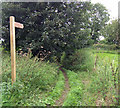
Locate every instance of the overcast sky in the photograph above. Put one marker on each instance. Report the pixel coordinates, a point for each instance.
(111, 5)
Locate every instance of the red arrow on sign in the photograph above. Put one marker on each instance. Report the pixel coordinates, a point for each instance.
(18, 25)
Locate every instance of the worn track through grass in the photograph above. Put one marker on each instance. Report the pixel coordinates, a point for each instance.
(60, 101)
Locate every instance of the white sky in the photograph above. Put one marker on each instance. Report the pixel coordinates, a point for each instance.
(111, 5)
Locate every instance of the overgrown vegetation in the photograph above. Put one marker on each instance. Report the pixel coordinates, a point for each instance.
(79, 60)
(96, 86)
(93, 80)
(105, 47)
(35, 85)
(60, 34)
(105, 83)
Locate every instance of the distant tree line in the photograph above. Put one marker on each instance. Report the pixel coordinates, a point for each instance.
(110, 32)
(55, 27)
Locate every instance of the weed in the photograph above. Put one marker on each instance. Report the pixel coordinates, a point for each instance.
(34, 79)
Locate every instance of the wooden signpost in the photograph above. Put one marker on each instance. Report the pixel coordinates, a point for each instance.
(13, 24)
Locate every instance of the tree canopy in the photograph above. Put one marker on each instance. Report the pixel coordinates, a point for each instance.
(111, 32)
(55, 27)
(99, 19)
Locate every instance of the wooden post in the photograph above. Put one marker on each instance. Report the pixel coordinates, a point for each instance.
(13, 24)
(12, 45)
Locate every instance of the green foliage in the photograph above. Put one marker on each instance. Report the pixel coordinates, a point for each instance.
(49, 27)
(40, 84)
(35, 79)
(62, 58)
(75, 94)
(53, 28)
(111, 32)
(99, 18)
(105, 81)
(90, 42)
(105, 46)
(102, 83)
(103, 41)
(97, 87)
(57, 91)
(80, 60)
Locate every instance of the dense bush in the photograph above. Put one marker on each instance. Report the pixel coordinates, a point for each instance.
(106, 46)
(33, 78)
(80, 60)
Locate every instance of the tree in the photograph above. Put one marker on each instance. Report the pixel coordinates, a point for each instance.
(50, 28)
(98, 20)
(111, 32)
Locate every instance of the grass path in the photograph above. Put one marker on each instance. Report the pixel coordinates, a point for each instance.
(60, 101)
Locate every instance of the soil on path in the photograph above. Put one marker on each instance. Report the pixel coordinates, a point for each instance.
(60, 101)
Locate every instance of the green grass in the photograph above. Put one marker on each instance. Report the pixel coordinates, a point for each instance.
(101, 90)
(56, 92)
(75, 94)
(37, 83)
(96, 85)
(108, 56)
(41, 83)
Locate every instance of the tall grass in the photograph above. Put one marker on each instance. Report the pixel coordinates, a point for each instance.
(93, 79)
(105, 83)
(35, 79)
